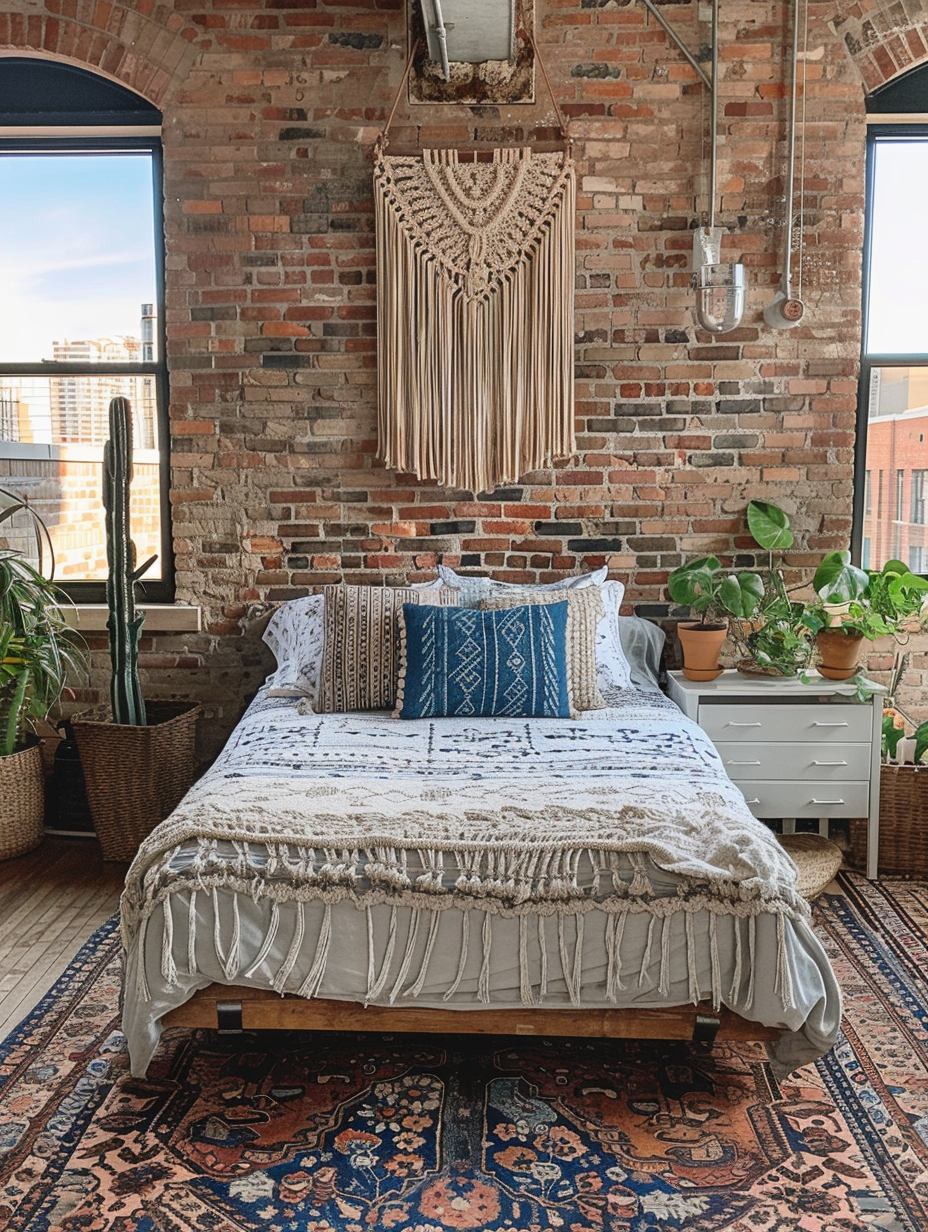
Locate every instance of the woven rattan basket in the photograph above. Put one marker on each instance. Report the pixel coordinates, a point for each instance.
(136, 775)
(22, 801)
(903, 823)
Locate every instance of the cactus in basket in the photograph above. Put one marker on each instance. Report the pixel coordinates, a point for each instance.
(124, 623)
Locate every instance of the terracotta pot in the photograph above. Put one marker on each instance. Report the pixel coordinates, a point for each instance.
(839, 653)
(701, 645)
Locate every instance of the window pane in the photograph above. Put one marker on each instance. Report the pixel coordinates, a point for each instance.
(52, 431)
(897, 468)
(77, 256)
(897, 322)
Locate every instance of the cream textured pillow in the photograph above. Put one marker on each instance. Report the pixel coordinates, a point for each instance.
(360, 659)
(585, 609)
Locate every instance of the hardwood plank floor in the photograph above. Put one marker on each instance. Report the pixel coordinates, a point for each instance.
(51, 901)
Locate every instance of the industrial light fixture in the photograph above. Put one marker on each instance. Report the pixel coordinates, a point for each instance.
(720, 286)
(786, 309)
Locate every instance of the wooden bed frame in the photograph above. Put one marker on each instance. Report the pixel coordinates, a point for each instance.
(230, 1010)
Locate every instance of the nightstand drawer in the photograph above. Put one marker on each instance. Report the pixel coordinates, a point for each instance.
(754, 723)
(841, 799)
(747, 761)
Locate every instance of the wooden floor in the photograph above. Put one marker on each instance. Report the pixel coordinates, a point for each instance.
(51, 901)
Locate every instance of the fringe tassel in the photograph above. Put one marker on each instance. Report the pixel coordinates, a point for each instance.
(279, 981)
(483, 983)
(411, 938)
(714, 964)
(663, 985)
(735, 991)
(646, 959)
(465, 935)
(314, 976)
(232, 965)
(784, 979)
(615, 931)
(572, 969)
(525, 983)
(416, 988)
(543, 954)
(692, 974)
(142, 991)
(168, 969)
(380, 983)
(217, 931)
(192, 934)
(752, 966)
(269, 938)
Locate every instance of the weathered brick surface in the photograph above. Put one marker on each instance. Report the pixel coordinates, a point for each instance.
(270, 113)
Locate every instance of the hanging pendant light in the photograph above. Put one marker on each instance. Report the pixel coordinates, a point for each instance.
(720, 286)
(786, 309)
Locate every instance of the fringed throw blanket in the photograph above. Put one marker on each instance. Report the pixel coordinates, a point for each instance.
(503, 818)
(475, 278)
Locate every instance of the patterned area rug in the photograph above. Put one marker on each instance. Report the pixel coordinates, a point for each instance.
(416, 1134)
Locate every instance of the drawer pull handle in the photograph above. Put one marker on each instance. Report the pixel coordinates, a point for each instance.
(829, 724)
(731, 724)
(754, 801)
(730, 762)
(829, 763)
(826, 801)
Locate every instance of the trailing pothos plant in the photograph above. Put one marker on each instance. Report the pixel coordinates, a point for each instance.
(37, 646)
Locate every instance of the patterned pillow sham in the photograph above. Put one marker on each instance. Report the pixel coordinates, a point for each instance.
(464, 662)
(473, 589)
(295, 635)
(612, 666)
(585, 611)
(360, 658)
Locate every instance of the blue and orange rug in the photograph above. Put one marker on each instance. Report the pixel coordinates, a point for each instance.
(353, 1133)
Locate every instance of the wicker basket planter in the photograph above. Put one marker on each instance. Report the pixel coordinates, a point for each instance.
(903, 823)
(136, 776)
(22, 801)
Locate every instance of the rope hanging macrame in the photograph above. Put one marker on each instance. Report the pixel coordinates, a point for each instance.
(475, 296)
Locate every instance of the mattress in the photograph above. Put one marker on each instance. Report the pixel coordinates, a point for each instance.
(625, 915)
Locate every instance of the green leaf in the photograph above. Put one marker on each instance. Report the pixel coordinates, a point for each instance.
(769, 525)
(894, 566)
(693, 583)
(740, 593)
(891, 735)
(921, 740)
(837, 580)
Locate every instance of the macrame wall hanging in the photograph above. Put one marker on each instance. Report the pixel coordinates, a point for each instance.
(475, 307)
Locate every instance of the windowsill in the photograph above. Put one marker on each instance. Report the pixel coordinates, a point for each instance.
(159, 617)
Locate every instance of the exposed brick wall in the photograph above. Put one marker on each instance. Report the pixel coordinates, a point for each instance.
(271, 110)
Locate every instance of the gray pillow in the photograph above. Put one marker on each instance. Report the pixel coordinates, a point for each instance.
(642, 642)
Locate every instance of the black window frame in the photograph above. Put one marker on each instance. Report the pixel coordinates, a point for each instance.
(84, 99)
(907, 95)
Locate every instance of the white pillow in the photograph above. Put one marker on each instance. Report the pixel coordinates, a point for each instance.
(612, 666)
(296, 635)
(473, 589)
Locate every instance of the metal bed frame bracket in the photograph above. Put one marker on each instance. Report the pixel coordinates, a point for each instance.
(706, 1028)
(229, 1017)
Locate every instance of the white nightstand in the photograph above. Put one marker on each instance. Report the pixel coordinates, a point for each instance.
(794, 749)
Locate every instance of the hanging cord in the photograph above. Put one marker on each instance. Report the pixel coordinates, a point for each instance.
(383, 139)
(562, 125)
(802, 159)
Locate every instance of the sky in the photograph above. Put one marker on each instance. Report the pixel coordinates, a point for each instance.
(76, 249)
(898, 298)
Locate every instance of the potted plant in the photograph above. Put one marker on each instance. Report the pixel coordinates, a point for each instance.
(138, 760)
(857, 605)
(37, 649)
(713, 594)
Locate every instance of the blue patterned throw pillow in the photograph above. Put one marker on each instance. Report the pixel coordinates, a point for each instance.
(465, 662)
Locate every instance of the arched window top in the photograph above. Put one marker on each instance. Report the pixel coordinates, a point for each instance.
(903, 95)
(34, 91)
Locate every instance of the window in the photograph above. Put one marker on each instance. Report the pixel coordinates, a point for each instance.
(893, 412)
(81, 312)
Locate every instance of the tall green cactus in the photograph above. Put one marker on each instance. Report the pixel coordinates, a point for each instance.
(124, 623)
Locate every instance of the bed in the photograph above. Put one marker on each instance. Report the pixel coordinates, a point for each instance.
(566, 875)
